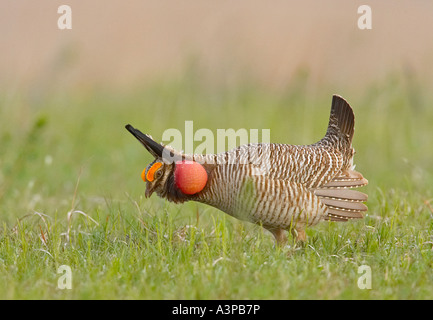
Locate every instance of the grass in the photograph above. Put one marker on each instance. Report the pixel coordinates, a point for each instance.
(71, 194)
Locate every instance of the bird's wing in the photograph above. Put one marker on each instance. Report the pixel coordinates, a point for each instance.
(278, 203)
(311, 166)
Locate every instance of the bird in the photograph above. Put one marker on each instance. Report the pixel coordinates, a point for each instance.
(281, 187)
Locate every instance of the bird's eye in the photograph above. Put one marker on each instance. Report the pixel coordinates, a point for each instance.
(158, 174)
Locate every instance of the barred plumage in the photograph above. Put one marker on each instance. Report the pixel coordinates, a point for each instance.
(279, 186)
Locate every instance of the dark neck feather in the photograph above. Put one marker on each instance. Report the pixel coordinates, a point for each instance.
(172, 192)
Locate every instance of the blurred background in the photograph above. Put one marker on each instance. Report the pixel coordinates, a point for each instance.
(113, 44)
(65, 95)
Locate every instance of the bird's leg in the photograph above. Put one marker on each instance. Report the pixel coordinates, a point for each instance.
(280, 236)
(299, 235)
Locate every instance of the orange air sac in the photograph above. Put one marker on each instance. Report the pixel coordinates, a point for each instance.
(190, 177)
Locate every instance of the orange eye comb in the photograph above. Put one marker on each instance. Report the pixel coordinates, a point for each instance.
(149, 176)
(143, 175)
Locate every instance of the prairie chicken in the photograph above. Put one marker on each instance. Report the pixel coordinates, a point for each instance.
(278, 186)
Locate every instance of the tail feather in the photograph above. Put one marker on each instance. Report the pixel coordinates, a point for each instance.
(341, 119)
(341, 127)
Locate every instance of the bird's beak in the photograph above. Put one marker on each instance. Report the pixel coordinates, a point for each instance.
(149, 190)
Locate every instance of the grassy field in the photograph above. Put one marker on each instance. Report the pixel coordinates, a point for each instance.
(71, 194)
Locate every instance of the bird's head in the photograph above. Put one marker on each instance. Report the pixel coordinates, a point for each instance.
(170, 175)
